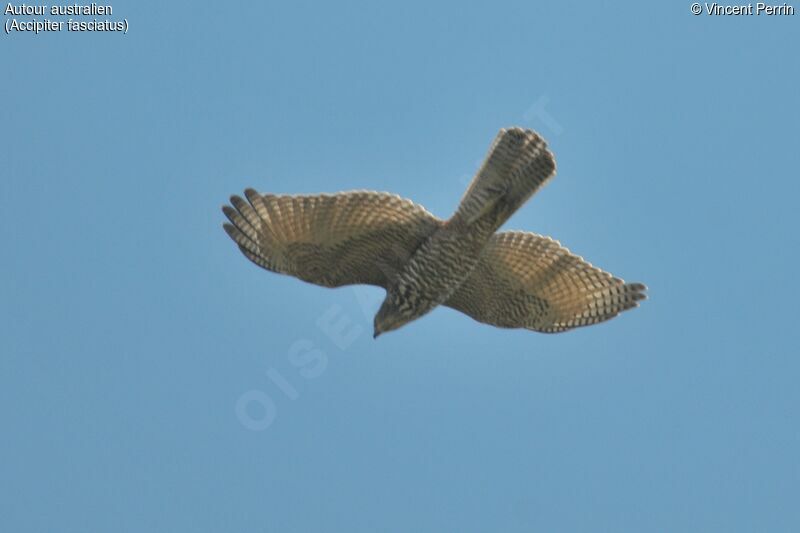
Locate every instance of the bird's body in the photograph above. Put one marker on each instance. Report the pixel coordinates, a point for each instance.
(510, 279)
(432, 276)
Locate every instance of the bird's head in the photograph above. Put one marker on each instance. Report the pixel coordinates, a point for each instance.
(395, 312)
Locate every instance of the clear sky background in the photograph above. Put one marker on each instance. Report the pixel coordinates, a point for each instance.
(132, 327)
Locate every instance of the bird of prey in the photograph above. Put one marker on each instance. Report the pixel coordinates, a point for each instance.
(511, 279)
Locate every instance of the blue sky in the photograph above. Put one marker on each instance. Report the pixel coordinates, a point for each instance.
(132, 328)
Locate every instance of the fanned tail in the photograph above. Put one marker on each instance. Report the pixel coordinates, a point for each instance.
(518, 163)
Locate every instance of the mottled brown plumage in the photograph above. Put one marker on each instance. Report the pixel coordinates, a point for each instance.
(510, 279)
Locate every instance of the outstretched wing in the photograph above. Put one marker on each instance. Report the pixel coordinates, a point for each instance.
(330, 240)
(524, 280)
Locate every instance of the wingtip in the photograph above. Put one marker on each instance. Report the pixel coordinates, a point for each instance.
(251, 193)
(230, 229)
(639, 291)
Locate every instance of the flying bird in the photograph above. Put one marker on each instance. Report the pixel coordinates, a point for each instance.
(510, 279)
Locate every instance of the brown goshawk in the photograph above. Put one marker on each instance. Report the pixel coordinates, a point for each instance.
(510, 279)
